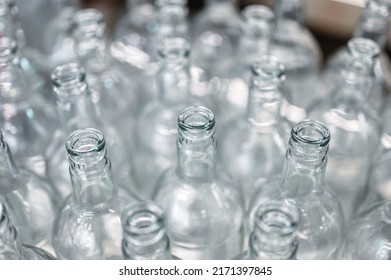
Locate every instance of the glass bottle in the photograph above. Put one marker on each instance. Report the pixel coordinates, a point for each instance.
(252, 147)
(156, 126)
(116, 96)
(354, 124)
(11, 247)
(144, 234)
(296, 47)
(215, 32)
(257, 28)
(76, 111)
(88, 226)
(26, 119)
(204, 207)
(30, 199)
(374, 24)
(274, 235)
(368, 236)
(302, 184)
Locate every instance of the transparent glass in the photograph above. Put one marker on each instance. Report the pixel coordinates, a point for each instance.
(380, 179)
(30, 199)
(11, 247)
(156, 126)
(88, 226)
(274, 235)
(252, 146)
(368, 236)
(215, 31)
(257, 28)
(26, 119)
(76, 111)
(144, 234)
(117, 97)
(301, 183)
(354, 124)
(374, 24)
(296, 47)
(204, 207)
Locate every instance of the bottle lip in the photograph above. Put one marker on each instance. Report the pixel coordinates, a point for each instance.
(162, 3)
(85, 141)
(258, 16)
(196, 123)
(311, 132)
(67, 75)
(89, 22)
(8, 49)
(174, 48)
(363, 48)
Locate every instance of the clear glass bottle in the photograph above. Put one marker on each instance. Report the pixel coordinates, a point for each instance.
(204, 207)
(88, 226)
(30, 199)
(156, 126)
(257, 25)
(252, 147)
(26, 119)
(368, 236)
(76, 111)
(302, 184)
(144, 234)
(215, 32)
(116, 97)
(11, 247)
(274, 235)
(295, 46)
(374, 24)
(354, 124)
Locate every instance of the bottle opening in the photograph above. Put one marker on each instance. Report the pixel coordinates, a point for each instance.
(68, 75)
(196, 122)
(258, 17)
(174, 48)
(162, 3)
(90, 22)
(85, 141)
(363, 48)
(311, 132)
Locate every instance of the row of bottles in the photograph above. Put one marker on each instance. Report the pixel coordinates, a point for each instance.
(156, 98)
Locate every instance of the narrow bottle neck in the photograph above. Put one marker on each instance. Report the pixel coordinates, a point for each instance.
(144, 234)
(289, 12)
(90, 169)
(274, 234)
(10, 244)
(306, 159)
(374, 23)
(7, 165)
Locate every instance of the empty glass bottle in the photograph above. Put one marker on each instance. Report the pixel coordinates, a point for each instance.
(204, 207)
(215, 32)
(374, 24)
(29, 199)
(301, 184)
(252, 147)
(296, 47)
(144, 234)
(11, 247)
(26, 119)
(88, 226)
(257, 28)
(156, 126)
(76, 111)
(368, 236)
(354, 124)
(115, 96)
(274, 235)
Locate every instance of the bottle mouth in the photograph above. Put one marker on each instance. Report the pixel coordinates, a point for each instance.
(173, 49)
(89, 22)
(67, 75)
(258, 19)
(8, 49)
(162, 3)
(363, 49)
(85, 142)
(311, 133)
(196, 123)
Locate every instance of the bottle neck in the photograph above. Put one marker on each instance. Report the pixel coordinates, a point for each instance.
(289, 12)
(274, 234)
(73, 102)
(306, 159)
(144, 234)
(196, 143)
(374, 23)
(134, 4)
(265, 95)
(10, 245)
(90, 169)
(7, 165)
